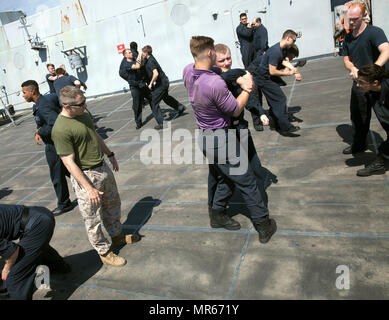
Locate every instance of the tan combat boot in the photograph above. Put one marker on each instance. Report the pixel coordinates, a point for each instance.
(123, 239)
(113, 260)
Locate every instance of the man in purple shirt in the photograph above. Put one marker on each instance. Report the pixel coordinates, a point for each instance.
(214, 106)
(213, 111)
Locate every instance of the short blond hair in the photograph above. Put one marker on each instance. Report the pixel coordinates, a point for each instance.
(68, 95)
(221, 48)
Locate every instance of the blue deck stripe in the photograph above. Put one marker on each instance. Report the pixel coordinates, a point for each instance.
(89, 287)
(245, 231)
(237, 271)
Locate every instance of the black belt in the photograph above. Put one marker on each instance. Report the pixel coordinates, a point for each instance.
(96, 166)
(25, 215)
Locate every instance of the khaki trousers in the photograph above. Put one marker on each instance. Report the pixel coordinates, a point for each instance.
(108, 212)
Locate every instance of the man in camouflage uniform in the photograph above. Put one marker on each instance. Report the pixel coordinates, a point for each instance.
(82, 151)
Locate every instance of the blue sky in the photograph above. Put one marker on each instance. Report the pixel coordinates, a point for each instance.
(29, 7)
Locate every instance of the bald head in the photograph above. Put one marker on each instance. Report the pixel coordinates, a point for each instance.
(359, 7)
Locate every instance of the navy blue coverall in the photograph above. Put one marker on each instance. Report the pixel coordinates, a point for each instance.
(380, 103)
(254, 193)
(362, 50)
(46, 112)
(160, 90)
(138, 87)
(35, 233)
(270, 87)
(260, 40)
(245, 37)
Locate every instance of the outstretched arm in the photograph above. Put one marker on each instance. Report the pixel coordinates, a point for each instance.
(384, 54)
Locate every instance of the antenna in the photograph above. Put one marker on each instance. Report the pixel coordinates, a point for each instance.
(36, 44)
(23, 22)
(140, 20)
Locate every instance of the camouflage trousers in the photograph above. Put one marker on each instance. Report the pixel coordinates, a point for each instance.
(108, 212)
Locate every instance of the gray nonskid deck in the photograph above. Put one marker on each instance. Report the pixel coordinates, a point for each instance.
(327, 216)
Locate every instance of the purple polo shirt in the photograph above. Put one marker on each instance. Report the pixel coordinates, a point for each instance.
(212, 102)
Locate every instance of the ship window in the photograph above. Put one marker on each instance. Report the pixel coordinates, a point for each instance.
(18, 61)
(180, 14)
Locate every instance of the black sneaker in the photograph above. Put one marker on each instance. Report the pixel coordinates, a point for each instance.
(265, 229)
(158, 127)
(376, 167)
(138, 126)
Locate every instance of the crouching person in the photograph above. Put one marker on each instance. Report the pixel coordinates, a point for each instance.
(373, 81)
(82, 151)
(34, 227)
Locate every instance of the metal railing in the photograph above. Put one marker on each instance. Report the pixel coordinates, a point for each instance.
(7, 110)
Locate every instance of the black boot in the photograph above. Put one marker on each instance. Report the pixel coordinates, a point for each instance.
(376, 167)
(354, 149)
(220, 219)
(181, 109)
(265, 229)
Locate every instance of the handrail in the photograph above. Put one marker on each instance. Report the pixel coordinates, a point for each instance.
(16, 92)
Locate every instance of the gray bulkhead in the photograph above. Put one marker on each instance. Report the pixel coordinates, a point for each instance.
(95, 28)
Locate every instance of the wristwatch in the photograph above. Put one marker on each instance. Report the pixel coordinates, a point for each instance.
(111, 155)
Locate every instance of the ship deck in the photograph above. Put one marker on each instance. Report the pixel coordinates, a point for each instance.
(326, 215)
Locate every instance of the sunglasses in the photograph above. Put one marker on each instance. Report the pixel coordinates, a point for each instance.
(79, 105)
